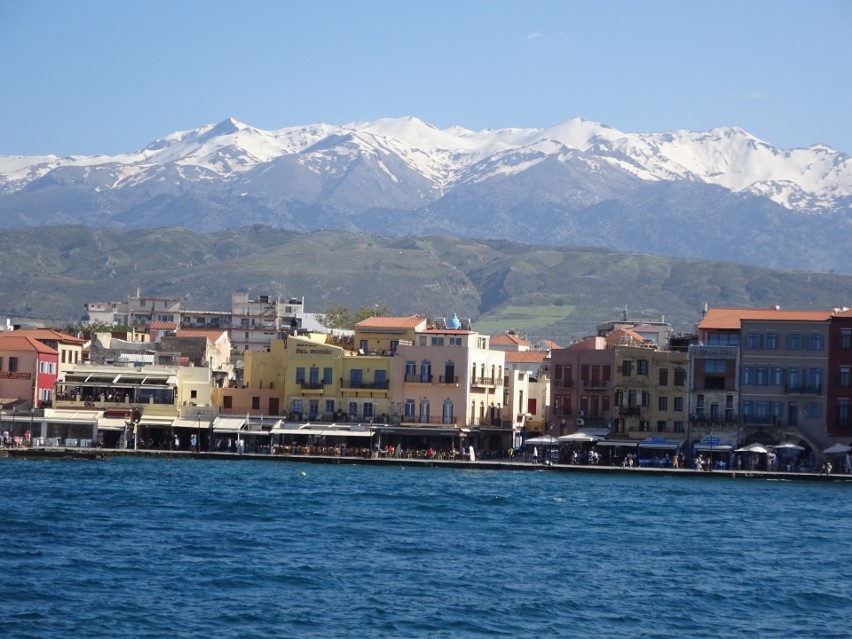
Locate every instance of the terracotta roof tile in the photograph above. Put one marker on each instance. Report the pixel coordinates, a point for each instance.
(412, 321)
(505, 338)
(525, 357)
(161, 326)
(731, 318)
(21, 343)
(47, 334)
(212, 335)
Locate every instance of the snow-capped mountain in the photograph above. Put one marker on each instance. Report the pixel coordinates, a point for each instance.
(578, 182)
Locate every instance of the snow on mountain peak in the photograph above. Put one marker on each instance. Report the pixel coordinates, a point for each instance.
(726, 156)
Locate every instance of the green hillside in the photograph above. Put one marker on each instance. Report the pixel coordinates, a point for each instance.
(541, 292)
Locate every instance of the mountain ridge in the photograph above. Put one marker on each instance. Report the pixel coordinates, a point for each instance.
(600, 183)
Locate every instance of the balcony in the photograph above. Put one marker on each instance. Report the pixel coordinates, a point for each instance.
(486, 381)
(312, 388)
(383, 385)
(413, 420)
(563, 383)
(704, 418)
(629, 411)
(803, 389)
(452, 379)
(595, 384)
(413, 378)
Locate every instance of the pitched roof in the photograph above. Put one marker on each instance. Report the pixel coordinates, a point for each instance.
(412, 321)
(507, 339)
(213, 335)
(162, 326)
(731, 318)
(624, 336)
(525, 357)
(22, 343)
(549, 344)
(46, 334)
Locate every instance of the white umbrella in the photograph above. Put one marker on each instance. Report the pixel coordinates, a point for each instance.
(577, 437)
(752, 448)
(837, 449)
(788, 446)
(542, 440)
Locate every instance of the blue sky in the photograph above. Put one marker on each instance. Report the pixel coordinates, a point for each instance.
(86, 77)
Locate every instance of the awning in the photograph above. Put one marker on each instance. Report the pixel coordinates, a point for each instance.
(707, 448)
(659, 444)
(617, 442)
(112, 423)
(577, 437)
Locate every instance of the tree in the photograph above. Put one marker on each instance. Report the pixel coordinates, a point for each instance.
(339, 316)
(366, 312)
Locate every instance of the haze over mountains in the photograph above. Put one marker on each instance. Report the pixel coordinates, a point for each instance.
(721, 194)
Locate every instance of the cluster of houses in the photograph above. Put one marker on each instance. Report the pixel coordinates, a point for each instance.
(267, 376)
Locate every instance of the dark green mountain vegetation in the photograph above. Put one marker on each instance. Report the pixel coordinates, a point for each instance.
(559, 293)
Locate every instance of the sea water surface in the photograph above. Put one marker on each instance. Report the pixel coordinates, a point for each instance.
(182, 548)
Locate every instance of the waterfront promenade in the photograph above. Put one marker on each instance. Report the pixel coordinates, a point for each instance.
(52, 453)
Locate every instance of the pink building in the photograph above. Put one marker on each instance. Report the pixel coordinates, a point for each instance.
(28, 370)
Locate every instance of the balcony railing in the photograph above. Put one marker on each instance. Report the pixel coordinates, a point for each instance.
(312, 385)
(630, 411)
(414, 420)
(563, 383)
(418, 379)
(364, 385)
(453, 379)
(595, 384)
(803, 389)
(713, 419)
(486, 381)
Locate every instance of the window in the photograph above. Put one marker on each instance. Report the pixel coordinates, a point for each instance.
(723, 339)
(646, 399)
(794, 380)
(437, 340)
(227, 401)
(771, 341)
(327, 375)
(410, 370)
(255, 403)
(845, 377)
(816, 342)
(1, 363)
(678, 427)
(13, 364)
(409, 408)
(714, 366)
(814, 380)
(661, 426)
(329, 406)
(426, 371)
(748, 409)
(762, 377)
(680, 376)
(843, 412)
(627, 368)
(300, 375)
(794, 342)
(193, 394)
(455, 341)
(663, 403)
(678, 404)
(753, 341)
(846, 338)
(813, 410)
(664, 377)
(297, 406)
(776, 376)
(421, 340)
(362, 345)
(368, 410)
(642, 367)
(748, 375)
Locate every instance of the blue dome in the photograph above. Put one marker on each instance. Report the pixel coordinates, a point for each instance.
(454, 322)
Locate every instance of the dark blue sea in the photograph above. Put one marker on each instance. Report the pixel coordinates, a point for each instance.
(190, 548)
